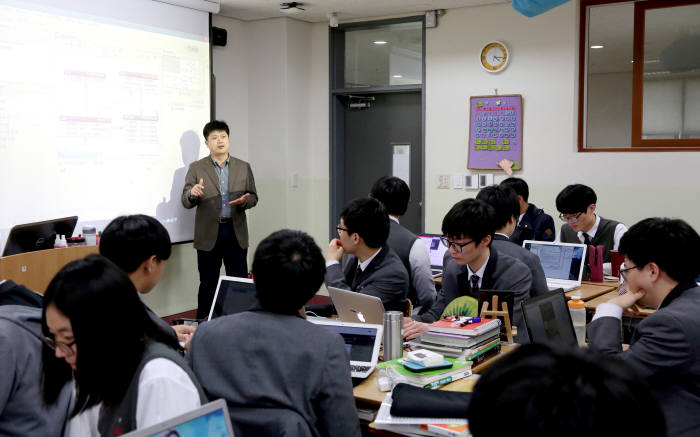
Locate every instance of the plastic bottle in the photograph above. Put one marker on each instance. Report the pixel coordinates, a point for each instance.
(578, 317)
(60, 242)
(90, 235)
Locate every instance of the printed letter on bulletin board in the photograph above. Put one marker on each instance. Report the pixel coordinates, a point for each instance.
(495, 131)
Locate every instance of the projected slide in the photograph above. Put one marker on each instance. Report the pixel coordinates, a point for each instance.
(100, 111)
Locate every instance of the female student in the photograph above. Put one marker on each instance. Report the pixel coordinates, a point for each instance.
(127, 372)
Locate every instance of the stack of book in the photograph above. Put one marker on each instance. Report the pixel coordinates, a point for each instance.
(452, 337)
(431, 378)
(419, 426)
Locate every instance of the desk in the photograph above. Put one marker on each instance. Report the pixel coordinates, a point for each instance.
(368, 391)
(591, 290)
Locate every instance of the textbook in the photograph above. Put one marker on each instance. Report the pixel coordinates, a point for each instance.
(455, 340)
(431, 378)
(450, 326)
(450, 430)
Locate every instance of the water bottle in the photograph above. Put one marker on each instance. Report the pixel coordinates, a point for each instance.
(393, 337)
(578, 317)
(90, 235)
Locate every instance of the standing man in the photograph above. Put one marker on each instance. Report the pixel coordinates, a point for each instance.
(222, 188)
(533, 222)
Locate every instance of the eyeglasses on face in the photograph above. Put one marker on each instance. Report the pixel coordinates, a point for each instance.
(65, 348)
(570, 218)
(457, 247)
(340, 228)
(624, 269)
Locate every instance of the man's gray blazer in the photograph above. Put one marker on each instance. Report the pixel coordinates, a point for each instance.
(282, 365)
(503, 272)
(539, 280)
(206, 228)
(385, 277)
(664, 350)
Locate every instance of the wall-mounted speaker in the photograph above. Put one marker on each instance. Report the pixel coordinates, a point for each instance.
(218, 36)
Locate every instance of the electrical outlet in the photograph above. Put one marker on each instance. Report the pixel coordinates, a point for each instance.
(443, 181)
(485, 180)
(457, 180)
(471, 182)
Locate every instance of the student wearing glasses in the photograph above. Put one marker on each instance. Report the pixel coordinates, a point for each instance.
(97, 332)
(660, 267)
(360, 259)
(468, 229)
(577, 205)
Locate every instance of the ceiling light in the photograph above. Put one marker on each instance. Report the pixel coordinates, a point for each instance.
(396, 76)
(597, 47)
(380, 42)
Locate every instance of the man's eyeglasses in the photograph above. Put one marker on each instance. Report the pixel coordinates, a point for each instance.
(66, 348)
(569, 218)
(454, 245)
(340, 228)
(623, 271)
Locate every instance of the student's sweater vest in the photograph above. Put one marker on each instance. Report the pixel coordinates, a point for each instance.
(401, 240)
(604, 236)
(121, 418)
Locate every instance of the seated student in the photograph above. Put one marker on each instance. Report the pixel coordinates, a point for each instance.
(661, 263)
(278, 372)
(505, 204)
(577, 205)
(468, 229)
(394, 195)
(21, 411)
(369, 265)
(140, 245)
(537, 390)
(97, 331)
(12, 293)
(533, 222)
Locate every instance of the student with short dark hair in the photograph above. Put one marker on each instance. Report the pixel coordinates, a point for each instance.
(394, 194)
(279, 373)
(96, 330)
(140, 245)
(468, 230)
(533, 222)
(661, 264)
(506, 206)
(542, 391)
(361, 261)
(577, 205)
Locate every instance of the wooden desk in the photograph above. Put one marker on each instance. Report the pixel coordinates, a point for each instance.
(368, 391)
(591, 290)
(35, 270)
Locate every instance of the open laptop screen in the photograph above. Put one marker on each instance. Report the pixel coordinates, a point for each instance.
(211, 419)
(359, 341)
(233, 295)
(436, 250)
(548, 319)
(558, 261)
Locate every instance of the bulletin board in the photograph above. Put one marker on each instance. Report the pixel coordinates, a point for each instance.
(495, 131)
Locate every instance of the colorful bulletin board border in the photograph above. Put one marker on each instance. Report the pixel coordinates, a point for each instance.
(495, 131)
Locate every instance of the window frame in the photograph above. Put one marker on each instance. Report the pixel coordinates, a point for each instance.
(637, 144)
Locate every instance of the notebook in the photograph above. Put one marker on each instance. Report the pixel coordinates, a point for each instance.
(357, 307)
(233, 295)
(548, 320)
(562, 262)
(436, 252)
(211, 420)
(362, 342)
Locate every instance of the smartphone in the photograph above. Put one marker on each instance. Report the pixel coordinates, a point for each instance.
(415, 367)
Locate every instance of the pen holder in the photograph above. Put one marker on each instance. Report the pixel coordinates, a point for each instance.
(595, 262)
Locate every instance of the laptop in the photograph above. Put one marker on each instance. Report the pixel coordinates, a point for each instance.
(29, 237)
(233, 295)
(362, 342)
(436, 252)
(548, 320)
(357, 307)
(562, 262)
(210, 420)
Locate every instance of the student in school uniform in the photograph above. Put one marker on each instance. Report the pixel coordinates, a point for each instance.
(140, 245)
(468, 230)
(577, 208)
(533, 222)
(279, 373)
(97, 332)
(506, 206)
(661, 264)
(394, 194)
(360, 260)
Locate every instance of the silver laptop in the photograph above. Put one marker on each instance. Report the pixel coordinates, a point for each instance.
(362, 342)
(436, 252)
(233, 295)
(562, 262)
(357, 307)
(210, 420)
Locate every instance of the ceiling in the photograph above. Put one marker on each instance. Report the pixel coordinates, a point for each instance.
(316, 10)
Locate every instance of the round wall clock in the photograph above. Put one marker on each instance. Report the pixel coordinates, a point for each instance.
(494, 57)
